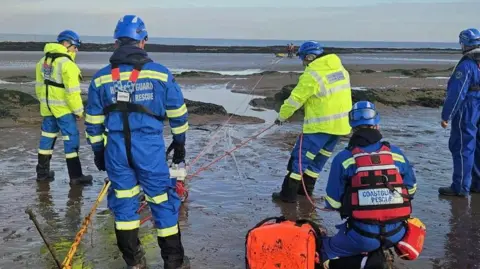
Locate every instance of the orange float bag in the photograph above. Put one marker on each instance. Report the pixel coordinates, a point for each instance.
(410, 247)
(283, 244)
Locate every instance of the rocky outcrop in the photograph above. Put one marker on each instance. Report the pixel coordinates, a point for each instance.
(432, 98)
(391, 97)
(21, 106)
(194, 74)
(19, 79)
(420, 72)
(14, 103)
(10, 99)
(200, 108)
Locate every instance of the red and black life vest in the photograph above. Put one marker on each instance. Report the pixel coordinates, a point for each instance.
(376, 193)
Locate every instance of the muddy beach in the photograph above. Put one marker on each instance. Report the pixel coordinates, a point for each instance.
(234, 194)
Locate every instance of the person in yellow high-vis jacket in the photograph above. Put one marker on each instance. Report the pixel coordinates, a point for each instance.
(325, 93)
(58, 90)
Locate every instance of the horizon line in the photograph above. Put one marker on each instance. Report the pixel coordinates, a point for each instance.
(216, 38)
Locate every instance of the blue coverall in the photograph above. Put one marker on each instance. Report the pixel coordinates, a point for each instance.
(348, 242)
(316, 149)
(462, 108)
(157, 90)
(67, 125)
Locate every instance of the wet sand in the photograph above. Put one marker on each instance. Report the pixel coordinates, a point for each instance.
(226, 200)
(233, 195)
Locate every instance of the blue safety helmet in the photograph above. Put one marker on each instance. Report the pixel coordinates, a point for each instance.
(70, 36)
(131, 26)
(469, 38)
(309, 47)
(363, 113)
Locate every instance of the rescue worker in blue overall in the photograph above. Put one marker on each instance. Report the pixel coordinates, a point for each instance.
(371, 183)
(58, 90)
(325, 93)
(129, 100)
(462, 108)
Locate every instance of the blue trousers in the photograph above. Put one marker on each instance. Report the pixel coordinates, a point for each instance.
(348, 242)
(67, 125)
(316, 149)
(464, 144)
(150, 172)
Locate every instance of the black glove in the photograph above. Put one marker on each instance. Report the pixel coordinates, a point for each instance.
(178, 152)
(278, 122)
(99, 160)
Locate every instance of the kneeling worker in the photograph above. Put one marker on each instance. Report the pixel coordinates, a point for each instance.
(371, 184)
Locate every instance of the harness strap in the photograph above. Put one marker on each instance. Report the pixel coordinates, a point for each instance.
(126, 107)
(392, 189)
(122, 106)
(475, 88)
(382, 236)
(277, 220)
(48, 82)
(319, 235)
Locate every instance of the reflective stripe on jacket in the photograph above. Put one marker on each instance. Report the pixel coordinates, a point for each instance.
(325, 92)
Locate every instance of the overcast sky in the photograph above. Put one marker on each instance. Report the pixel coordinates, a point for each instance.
(349, 20)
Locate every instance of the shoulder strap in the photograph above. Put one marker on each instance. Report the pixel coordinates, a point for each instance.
(316, 228)
(55, 55)
(49, 82)
(386, 143)
(131, 107)
(277, 220)
(355, 150)
(133, 76)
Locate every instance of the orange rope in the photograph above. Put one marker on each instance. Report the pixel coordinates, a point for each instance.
(67, 262)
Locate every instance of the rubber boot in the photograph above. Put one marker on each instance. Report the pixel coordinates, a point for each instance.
(289, 190)
(132, 251)
(346, 262)
(448, 191)
(43, 168)
(309, 185)
(171, 250)
(374, 260)
(141, 265)
(75, 173)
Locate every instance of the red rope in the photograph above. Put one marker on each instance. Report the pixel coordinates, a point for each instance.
(210, 164)
(228, 152)
(301, 176)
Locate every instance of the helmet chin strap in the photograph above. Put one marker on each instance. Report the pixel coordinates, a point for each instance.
(308, 59)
